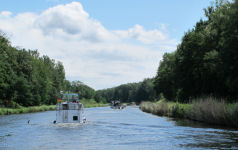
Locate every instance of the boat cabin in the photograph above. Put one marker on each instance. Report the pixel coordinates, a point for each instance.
(70, 110)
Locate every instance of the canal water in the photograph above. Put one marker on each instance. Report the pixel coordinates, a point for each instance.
(107, 129)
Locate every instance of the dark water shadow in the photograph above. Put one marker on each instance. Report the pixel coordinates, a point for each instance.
(207, 136)
(197, 124)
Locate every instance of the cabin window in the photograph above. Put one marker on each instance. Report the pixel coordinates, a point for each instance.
(75, 118)
(65, 106)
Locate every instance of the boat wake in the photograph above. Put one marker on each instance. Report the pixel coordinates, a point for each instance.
(69, 125)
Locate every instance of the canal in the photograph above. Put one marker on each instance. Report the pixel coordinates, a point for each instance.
(107, 129)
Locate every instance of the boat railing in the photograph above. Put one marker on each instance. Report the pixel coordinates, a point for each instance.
(69, 106)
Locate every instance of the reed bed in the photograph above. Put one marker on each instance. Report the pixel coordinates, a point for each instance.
(208, 110)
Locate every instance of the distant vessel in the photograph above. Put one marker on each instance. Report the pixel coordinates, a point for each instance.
(69, 109)
(116, 104)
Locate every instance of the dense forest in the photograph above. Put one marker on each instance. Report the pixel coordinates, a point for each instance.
(27, 79)
(204, 64)
(131, 92)
(206, 61)
(83, 90)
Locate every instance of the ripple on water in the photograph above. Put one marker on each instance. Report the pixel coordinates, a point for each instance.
(108, 129)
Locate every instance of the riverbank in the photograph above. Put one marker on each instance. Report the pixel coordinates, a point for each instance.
(88, 103)
(20, 110)
(8, 111)
(206, 110)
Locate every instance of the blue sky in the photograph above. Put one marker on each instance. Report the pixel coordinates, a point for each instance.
(101, 43)
(123, 14)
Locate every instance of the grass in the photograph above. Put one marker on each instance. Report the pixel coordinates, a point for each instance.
(208, 110)
(88, 103)
(19, 109)
(8, 111)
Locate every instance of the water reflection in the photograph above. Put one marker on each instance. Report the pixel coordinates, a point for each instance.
(208, 136)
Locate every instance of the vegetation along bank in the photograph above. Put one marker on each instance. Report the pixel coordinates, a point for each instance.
(30, 82)
(207, 110)
(18, 109)
(205, 64)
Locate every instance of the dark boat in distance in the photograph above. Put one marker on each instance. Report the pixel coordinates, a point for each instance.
(116, 104)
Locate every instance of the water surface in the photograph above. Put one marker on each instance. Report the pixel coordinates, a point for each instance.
(108, 129)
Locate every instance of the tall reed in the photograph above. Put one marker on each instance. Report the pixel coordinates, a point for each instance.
(208, 110)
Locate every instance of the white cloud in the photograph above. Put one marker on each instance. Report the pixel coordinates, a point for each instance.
(71, 21)
(5, 14)
(146, 37)
(90, 53)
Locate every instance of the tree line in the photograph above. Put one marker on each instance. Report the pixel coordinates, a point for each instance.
(131, 92)
(204, 64)
(26, 78)
(83, 90)
(206, 61)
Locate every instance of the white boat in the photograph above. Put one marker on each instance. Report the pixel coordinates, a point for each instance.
(70, 111)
